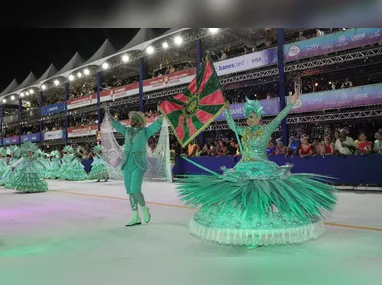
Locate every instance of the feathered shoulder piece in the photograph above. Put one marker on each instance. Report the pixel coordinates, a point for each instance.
(253, 106)
(3, 152)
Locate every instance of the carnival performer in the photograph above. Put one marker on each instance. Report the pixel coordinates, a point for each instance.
(135, 156)
(75, 170)
(44, 162)
(29, 178)
(54, 169)
(14, 153)
(3, 161)
(66, 159)
(98, 170)
(257, 202)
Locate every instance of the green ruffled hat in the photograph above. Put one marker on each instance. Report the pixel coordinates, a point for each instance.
(68, 149)
(99, 148)
(30, 147)
(55, 154)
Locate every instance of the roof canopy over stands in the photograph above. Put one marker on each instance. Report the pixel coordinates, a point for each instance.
(10, 88)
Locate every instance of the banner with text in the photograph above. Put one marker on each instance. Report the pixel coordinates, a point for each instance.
(120, 92)
(54, 135)
(169, 80)
(246, 62)
(53, 109)
(82, 101)
(82, 131)
(348, 39)
(11, 140)
(30, 138)
(326, 100)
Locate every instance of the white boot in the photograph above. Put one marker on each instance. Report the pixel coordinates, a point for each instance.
(146, 214)
(136, 220)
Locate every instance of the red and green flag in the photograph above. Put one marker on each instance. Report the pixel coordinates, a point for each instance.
(190, 112)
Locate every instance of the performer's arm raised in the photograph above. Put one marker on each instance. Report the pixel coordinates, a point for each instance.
(154, 127)
(120, 128)
(231, 123)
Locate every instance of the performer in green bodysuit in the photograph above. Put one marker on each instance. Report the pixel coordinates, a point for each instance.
(257, 202)
(135, 155)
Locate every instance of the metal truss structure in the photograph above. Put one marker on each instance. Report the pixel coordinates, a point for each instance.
(53, 116)
(121, 102)
(55, 142)
(87, 140)
(334, 59)
(366, 114)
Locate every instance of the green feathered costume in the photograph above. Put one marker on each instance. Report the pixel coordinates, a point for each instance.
(257, 202)
(74, 169)
(3, 161)
(98, 170)
(29, 178)
(53, 171)
(9, 174)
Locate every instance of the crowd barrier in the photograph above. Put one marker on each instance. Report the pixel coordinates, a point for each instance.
(347, 170)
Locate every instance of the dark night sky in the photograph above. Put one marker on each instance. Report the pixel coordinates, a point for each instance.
(26, 50)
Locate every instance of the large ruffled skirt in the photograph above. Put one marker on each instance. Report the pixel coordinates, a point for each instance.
(98, 170)
(3, 167)
(7, 178)
(75, 171)
(29, 183)
(257, 203)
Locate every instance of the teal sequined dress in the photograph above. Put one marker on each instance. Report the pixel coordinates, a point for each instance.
(257, 202)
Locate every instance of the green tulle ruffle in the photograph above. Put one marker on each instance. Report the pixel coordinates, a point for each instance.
(98, 171)
(29, 183)
(301, 196)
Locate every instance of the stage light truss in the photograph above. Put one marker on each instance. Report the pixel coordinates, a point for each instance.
(55, 142)
(366, 114)
(121, 102)
(82, 110)
(334, 59)
(88, 139)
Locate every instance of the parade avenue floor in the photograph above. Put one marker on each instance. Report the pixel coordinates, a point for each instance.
(86, 220)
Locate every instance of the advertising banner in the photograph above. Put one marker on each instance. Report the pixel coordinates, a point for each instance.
(54, 135)
(82, 101)
(169, 80)
(120, 92)
(348, 39)
(30, 138)
(11, 140)
(53, 109)
(246, 62)
(82, 131)
(318, 101)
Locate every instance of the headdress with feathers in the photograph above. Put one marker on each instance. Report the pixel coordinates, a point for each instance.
(253, 106)
(15, 149)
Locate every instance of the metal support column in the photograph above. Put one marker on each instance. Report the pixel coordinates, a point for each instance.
(20, 118)
(142, 76)
(41, 121)
(99, 99)
(280, 58)
(66, 98)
